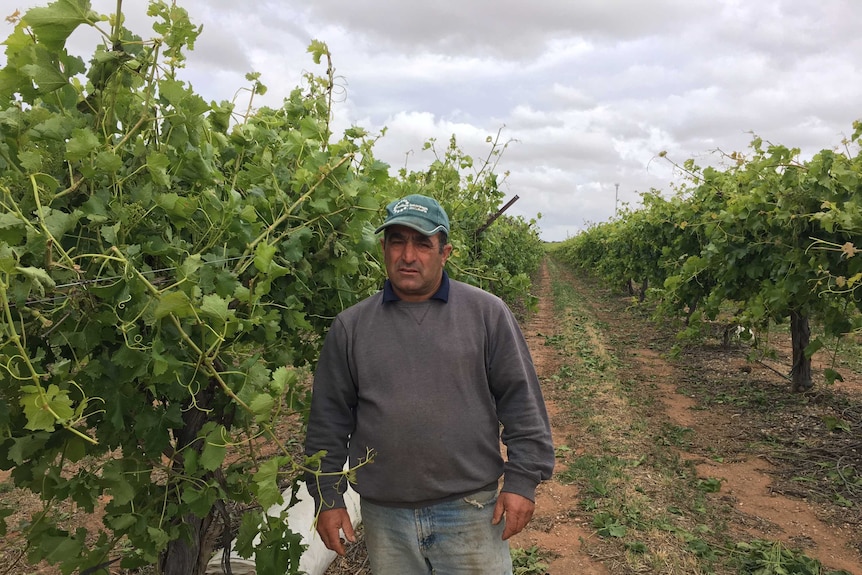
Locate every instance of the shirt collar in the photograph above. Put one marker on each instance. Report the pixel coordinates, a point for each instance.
(442, 292)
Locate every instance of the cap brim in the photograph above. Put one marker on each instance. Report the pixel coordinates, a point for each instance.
(418, 224)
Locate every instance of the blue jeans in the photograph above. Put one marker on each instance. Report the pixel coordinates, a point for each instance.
(451, 538)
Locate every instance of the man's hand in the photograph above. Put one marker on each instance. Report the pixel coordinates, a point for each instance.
(329, 525)
(517, 509)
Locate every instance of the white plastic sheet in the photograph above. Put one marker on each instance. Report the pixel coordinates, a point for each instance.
(316, 558)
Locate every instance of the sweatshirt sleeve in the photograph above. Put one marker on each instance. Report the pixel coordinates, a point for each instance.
(332, 419)
(520, 409)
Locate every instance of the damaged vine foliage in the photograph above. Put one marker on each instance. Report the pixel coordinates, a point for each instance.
(164, 262)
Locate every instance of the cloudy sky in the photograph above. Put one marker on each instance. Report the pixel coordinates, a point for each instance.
(586, 92)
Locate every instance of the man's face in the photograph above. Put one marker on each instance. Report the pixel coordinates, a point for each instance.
(414, 262)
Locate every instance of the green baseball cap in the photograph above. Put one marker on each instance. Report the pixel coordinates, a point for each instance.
(418, 212)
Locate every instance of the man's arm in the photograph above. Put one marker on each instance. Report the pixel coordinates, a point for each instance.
(521, 409)
(331, 420)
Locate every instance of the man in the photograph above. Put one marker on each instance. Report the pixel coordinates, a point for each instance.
(421, 376)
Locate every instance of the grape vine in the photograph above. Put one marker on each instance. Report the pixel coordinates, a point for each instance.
(166, 265)
(767, 238)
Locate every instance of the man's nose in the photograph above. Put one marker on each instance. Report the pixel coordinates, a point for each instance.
(409, 253)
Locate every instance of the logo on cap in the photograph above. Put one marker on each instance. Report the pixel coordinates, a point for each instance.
(406, 205)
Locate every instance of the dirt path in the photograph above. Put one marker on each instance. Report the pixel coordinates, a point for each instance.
(555, 526)
(758, 509)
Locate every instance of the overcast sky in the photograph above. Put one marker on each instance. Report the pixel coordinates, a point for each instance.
(588, 92)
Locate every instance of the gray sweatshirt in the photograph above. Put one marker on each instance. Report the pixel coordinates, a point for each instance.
(424, 387)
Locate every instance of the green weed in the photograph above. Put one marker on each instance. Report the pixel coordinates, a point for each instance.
(762, 557)
(530, 561)
(608, 526)
(675, 435)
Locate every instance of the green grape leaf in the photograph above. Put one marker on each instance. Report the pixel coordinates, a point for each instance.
(56, 22)
(265, 482)
(215, 307)
(118, 485)
(44, 408)
(318, 50)
(249, 528)
(83, 143)
(109, 162)
(214, 450)
(261, 406)
(157, 166)
(173, 303)
(47, 78)
(283, 378)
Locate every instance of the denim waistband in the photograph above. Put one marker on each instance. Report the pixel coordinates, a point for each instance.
(429, 502)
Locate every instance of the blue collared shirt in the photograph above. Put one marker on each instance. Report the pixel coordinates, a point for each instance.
(442, 292)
